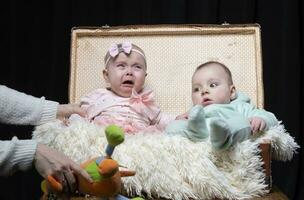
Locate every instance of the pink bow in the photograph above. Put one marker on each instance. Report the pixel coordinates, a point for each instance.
(115, 49)
(144, 103)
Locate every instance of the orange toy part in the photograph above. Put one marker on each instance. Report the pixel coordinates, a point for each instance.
(109, 186)
(54, 184)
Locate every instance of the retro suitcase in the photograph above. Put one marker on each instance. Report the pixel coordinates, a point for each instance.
(173, 52)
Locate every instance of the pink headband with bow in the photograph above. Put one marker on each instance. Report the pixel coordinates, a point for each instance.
(125, 47)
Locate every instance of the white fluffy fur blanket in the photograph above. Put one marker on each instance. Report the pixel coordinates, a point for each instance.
(171, 166)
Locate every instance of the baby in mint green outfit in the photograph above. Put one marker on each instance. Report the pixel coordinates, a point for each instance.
(219, 112)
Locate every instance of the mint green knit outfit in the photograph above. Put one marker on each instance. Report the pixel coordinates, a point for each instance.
(223, 124)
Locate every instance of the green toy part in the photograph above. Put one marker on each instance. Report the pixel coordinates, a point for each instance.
(115, 135)
(92, 170)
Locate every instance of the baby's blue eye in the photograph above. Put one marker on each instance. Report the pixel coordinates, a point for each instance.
(212, 85)
(138, 67)
(120, 65)
(196, 89)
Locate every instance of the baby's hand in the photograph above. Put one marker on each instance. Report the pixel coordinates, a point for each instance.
(182, 116)
(257, 124)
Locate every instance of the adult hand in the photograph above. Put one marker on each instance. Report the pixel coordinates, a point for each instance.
(48, 161)
(65, 110)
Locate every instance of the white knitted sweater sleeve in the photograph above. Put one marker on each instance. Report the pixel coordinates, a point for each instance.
(19, 108)
(16, 155)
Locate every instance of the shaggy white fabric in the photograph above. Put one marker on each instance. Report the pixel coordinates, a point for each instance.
(173, 167)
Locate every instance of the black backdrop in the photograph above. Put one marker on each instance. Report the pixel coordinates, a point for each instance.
(35, 42)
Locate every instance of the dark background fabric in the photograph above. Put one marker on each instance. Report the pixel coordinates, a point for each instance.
(35, 46)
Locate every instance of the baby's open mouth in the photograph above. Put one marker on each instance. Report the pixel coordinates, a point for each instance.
(128, 82)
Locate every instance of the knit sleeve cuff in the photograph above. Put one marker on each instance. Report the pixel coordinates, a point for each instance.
(49, 111)
(23, 154)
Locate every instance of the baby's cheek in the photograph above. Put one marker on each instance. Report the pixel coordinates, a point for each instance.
(139, 84)
(196, 100)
